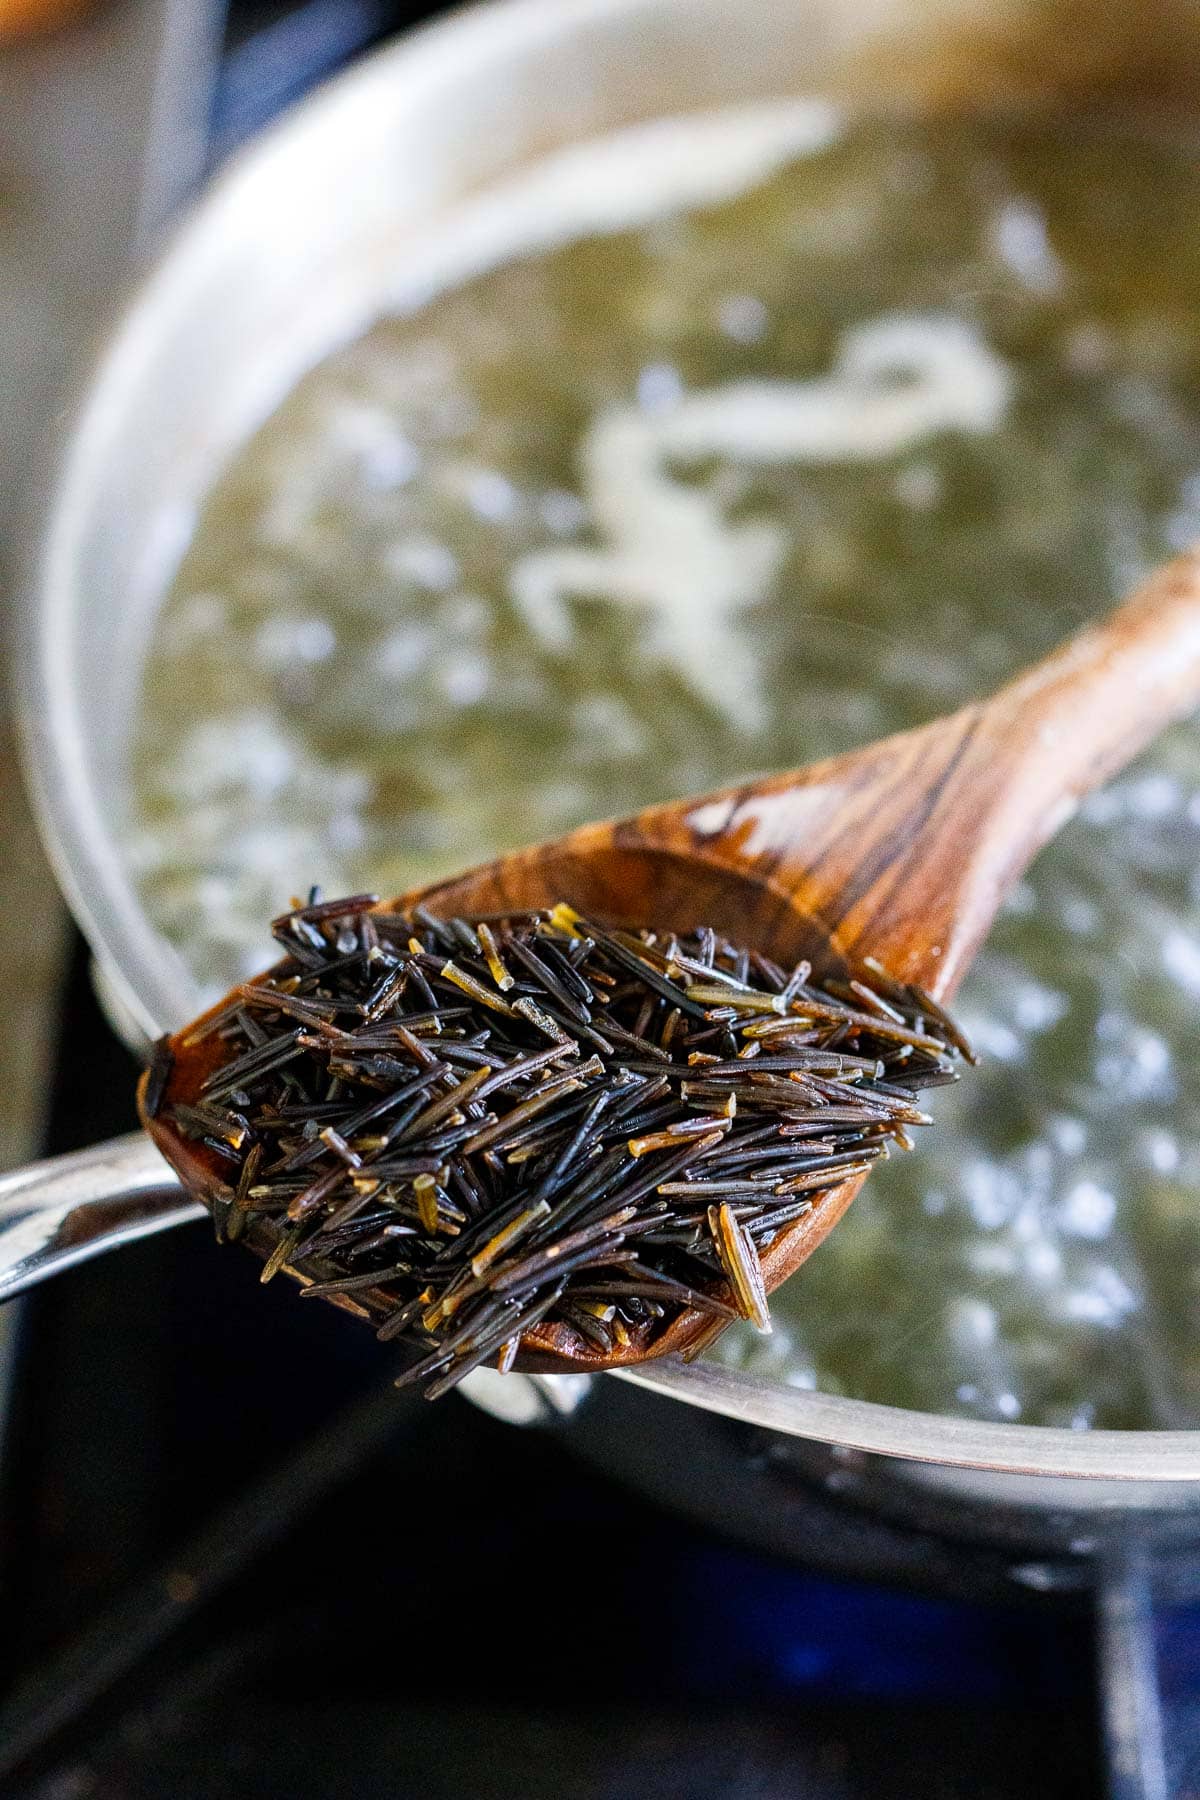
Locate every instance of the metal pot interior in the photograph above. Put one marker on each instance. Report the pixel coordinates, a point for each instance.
(291, 252)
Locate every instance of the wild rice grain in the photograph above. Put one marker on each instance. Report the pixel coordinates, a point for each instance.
(482, 1128)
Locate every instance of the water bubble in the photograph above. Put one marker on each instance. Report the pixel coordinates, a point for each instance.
(993, 1039)
(402, 652)
(659, 387)
(1021, 240)
(1105, 1299)
(1088, 1211)
(992, 1261)
(465, 680)
(199, 616)
(1022, 901)
(391, 464)
(1067, 1134)
(1080, 915)
(1161, 1150)
(919, 487)
(971, 1322)
(426, 561)
(346, 833)
(743, 318)
(492, 496)
(1036, 1008)
(992, 1192)
(282, 641)
(1181, 960)
(1043, 1262)
(1153, 796)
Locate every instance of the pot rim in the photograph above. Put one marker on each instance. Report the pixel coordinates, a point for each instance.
(1159, 1457)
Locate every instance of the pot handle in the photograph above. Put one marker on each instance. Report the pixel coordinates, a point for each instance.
(63, 1211)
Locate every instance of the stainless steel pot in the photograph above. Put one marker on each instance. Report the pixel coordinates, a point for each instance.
(290, 252)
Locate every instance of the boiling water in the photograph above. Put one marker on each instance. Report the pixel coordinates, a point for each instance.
(729, 446)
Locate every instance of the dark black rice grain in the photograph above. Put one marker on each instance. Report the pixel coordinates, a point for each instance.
(462, 1129)
(161, 1062)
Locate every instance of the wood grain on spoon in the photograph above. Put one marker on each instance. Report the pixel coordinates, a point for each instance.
(902, 851)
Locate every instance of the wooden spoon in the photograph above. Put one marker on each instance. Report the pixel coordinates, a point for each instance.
(902, 851)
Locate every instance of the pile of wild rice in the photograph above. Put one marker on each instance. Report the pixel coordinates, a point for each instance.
(467, 1129)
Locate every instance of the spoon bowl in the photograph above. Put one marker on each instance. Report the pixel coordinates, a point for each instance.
(899, 854)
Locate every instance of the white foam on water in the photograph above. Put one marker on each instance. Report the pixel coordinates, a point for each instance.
(667, 544)
(636, 177)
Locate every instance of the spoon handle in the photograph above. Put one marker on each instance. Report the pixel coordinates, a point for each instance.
(1081, 714)
(1029, 755)
(907, 849)
(70, 1208)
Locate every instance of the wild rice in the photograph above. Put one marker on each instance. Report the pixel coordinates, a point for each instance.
(476, 1127)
